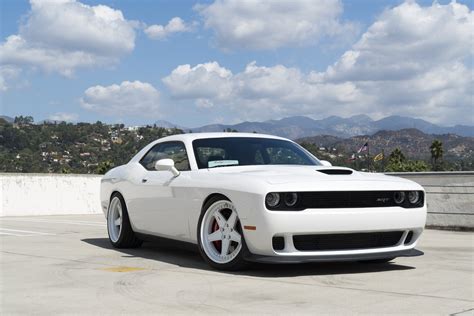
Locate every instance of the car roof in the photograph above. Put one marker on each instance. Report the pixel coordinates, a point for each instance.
(193, 136)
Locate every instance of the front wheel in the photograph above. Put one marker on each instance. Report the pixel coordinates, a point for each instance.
(119, 228)
(220, 237)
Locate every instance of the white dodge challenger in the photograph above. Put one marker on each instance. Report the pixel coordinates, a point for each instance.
(251, 197)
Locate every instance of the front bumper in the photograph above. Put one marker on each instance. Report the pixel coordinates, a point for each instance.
(287, 224)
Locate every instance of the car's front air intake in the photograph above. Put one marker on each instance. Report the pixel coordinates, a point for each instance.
(328, 242)
(335, 171)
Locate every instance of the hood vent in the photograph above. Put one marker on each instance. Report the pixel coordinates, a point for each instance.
(335, 171)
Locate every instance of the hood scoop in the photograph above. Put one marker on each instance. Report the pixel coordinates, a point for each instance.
(335, 171)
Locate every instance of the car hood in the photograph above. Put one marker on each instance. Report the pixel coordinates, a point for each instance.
(277, 174)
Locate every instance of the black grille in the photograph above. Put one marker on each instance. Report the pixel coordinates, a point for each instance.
(328, 242)
(278, 243)
(351, 199)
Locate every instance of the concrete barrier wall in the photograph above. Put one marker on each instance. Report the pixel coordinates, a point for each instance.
(49, 194)
(450, 195)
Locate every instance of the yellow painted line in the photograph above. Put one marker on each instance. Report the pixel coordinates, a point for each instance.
(123, 269)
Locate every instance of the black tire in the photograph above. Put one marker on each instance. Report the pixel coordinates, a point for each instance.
(127, 237)
(378, 261)
(238, 263)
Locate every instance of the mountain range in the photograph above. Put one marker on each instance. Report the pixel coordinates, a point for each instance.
(295, 127)
(301, 126)
(7, 118)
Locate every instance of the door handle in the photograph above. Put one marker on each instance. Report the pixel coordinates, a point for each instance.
(144, 180)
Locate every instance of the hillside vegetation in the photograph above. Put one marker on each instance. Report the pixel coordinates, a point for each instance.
(59, 147)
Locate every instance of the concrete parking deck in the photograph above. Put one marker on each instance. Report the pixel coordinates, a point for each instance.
(65, 265)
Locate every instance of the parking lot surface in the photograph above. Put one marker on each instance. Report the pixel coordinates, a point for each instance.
(65, 265)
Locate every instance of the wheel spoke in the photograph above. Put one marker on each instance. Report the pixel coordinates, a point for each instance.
(232, 219)
(217, 235)
(235, 236)
(225, 247)
(118, 221)
(220, 219)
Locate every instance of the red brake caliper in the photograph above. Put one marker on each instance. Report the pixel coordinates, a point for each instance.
(217, 243)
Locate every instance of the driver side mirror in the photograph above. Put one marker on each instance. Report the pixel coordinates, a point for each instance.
(325, 163)
(166, 165)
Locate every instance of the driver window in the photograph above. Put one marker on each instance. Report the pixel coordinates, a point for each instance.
(171, 150)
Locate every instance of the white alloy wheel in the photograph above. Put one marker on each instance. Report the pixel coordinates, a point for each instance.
(221, 237)
(115, 219)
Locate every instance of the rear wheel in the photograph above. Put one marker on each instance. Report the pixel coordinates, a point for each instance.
(220, 238)
(120, 231)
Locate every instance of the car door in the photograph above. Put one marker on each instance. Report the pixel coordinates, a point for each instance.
(161, 208)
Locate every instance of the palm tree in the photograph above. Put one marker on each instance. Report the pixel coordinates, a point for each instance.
(436, 150)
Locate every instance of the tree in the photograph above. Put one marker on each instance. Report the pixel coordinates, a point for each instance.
(398, 163)
(104, 166)
(396, 157)
(408, 166)
(23, 120)
(437, 151)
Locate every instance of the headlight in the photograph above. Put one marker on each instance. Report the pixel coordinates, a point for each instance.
(291, 199)
(413, 197)
(399, 197)
(272, 199)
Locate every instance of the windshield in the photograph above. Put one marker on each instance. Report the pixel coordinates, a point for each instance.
(248, 151)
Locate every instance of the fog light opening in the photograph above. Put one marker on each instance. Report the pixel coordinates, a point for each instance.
(278, 243)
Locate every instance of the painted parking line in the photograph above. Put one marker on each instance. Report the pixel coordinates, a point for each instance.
(48, 221)
(10, 234)
(21, 233)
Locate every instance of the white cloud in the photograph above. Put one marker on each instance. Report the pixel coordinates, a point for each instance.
(64, 117)
(406, 41)
(8, 74)
(175, 25)
(204, 81)
(258, 91)
(128, 98)
(63, 35)
(412, 61)
(269, 24)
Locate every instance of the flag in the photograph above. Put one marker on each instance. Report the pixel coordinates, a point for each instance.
(363, 148)
(378, 157)
(352, 158)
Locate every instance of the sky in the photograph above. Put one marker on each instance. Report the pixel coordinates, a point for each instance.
(227, 61)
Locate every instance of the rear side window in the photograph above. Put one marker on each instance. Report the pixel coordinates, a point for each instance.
(168, 150)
